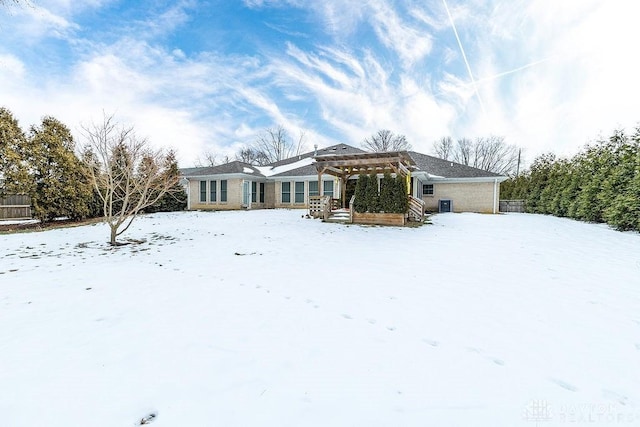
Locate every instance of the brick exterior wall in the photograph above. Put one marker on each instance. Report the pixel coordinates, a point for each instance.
(465, 197)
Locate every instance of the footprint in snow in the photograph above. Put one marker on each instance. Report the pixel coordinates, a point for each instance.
(391, 328)
(620, 398)
(148, 419)
(565, 385)
(372, 321)
(432, 343)
(499, 362)
(638, 346)
(346, 316)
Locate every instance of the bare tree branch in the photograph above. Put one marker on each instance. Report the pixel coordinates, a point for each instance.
(208, 159)
(491, 153)
(385, 140)
(274, 144)
(444, 147)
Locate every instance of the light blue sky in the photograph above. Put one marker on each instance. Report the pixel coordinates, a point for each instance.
(210, 75)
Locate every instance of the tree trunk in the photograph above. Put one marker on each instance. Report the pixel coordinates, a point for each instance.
(114, 231)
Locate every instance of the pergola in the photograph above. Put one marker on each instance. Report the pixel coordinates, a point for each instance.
(345, 166)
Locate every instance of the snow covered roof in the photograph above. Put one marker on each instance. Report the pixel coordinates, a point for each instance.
(286, 169)
(227, 168)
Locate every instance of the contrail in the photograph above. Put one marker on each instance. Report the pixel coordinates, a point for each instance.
(464, 56)
(515, 70)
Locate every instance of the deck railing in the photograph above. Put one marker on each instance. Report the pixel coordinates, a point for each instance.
(320, 206)
(416, 209)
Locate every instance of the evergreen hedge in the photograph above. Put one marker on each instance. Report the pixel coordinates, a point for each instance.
(599, 184)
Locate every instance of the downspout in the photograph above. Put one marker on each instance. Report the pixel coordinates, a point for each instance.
(495, 194)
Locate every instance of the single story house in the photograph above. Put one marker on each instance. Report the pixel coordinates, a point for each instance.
(444, 186)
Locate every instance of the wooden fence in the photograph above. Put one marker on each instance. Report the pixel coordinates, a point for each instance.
(512, 206)
(15, 207)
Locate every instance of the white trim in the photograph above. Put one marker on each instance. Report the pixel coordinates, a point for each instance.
(495, 194)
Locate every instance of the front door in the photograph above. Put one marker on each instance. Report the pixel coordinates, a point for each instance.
(246, 194)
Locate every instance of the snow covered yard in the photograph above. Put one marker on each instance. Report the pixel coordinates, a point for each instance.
(263, 318)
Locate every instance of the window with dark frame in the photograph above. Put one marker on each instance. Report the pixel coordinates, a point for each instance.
(203, 191)
(262, 192)
(213, 196)
(427, 189)
(286, 192)
(299, 196)
(313, 188)
(223, 190)
(254, 192)
(328, 188)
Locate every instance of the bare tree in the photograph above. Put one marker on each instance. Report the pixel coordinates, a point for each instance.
(463, 152)
(444, 147)
(491, 153)
(207, 159)
(252, 156)
(126, 174)
(274, 144)
(385, 140)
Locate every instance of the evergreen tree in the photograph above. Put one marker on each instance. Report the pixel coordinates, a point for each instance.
(176, 198)
(14, 176)
(386, 192)
(371, 194)
(360, 200)
(539, 176)
(400, 195)
(61, 185)
(623, 212)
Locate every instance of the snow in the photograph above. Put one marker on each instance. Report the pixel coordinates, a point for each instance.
(247, 170)
(267, 318)
(18, 221)
(270, 171)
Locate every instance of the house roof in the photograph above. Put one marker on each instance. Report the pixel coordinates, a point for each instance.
(304, 165)
(437, 167)
(228, 168)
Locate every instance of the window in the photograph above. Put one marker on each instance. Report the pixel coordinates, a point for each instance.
(328, 188)
(286, 192)
(254, 191)
(299, 197)
(313, 188)
(427, 189)
(203, 191)
(212, 191)
(223, 190)
(262, 192)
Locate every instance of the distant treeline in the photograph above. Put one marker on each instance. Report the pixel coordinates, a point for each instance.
(600, 184)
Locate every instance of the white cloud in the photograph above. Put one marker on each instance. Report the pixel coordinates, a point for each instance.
(11, 67)
(411, 44)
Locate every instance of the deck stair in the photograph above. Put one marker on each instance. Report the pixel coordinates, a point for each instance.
(339, 215)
